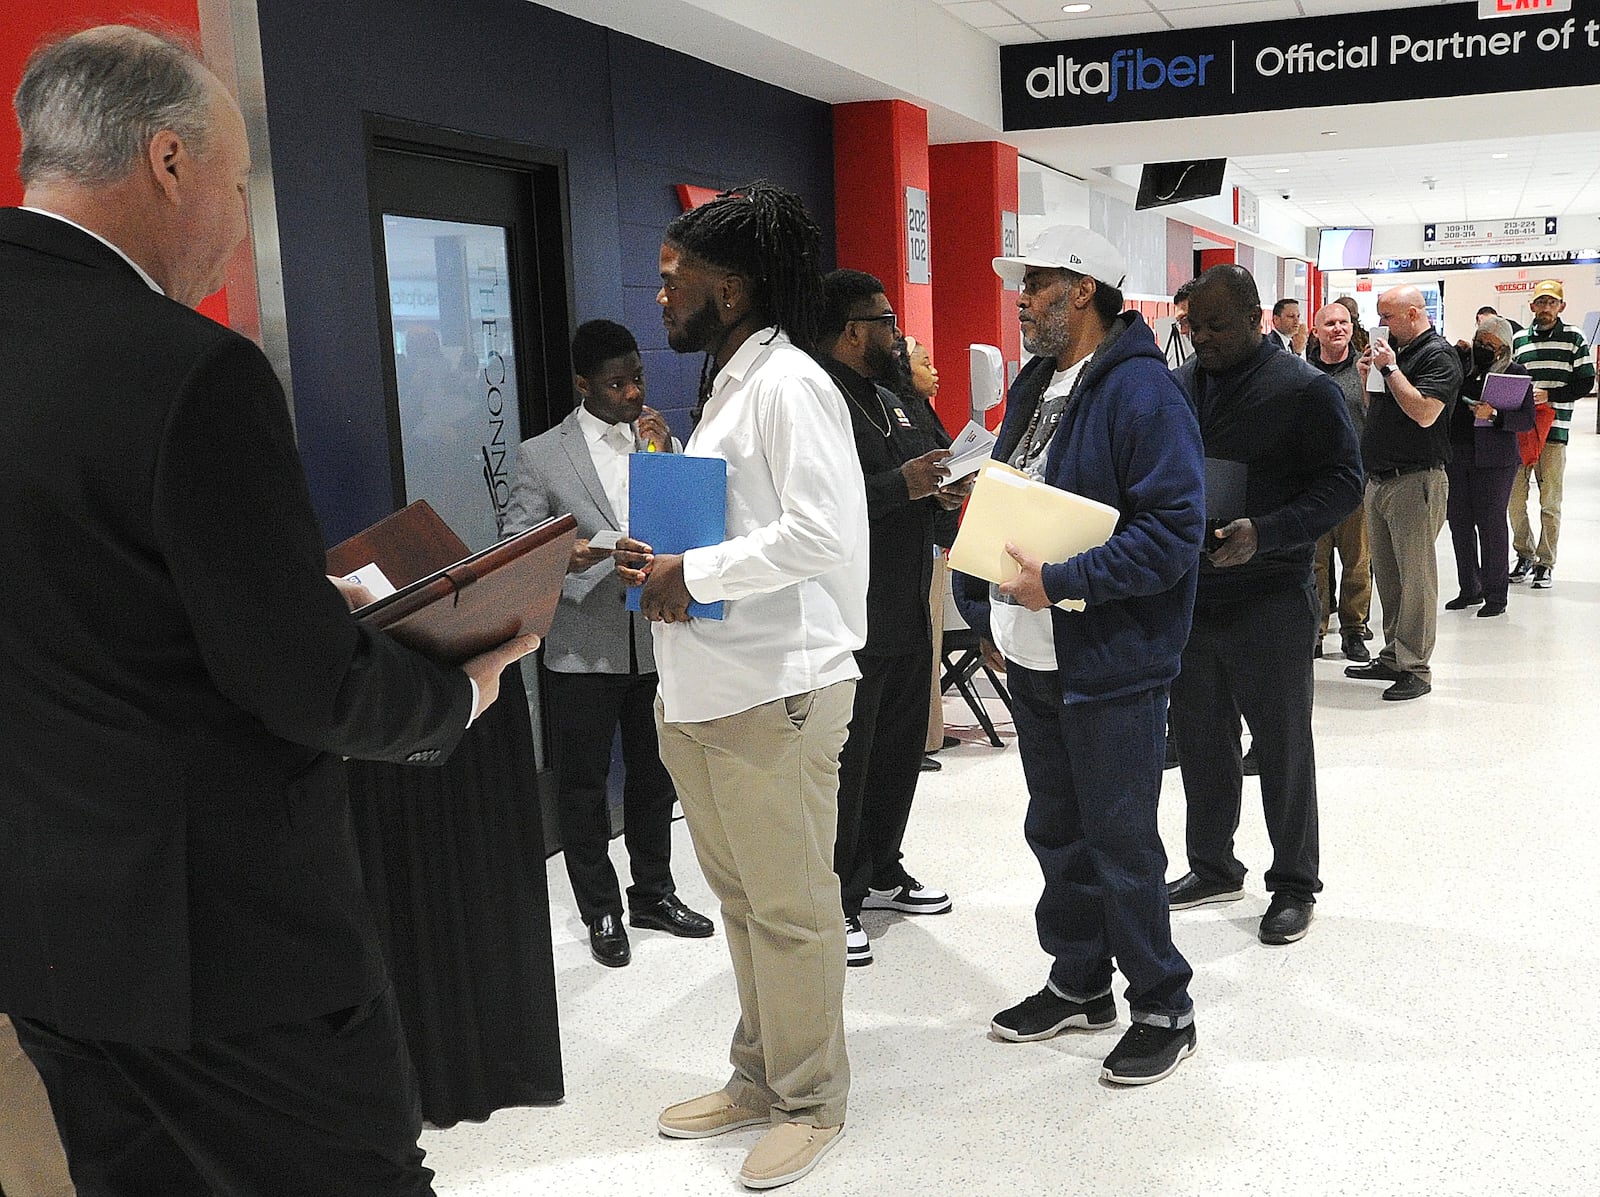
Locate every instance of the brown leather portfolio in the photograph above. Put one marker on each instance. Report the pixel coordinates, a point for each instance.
(466, 606)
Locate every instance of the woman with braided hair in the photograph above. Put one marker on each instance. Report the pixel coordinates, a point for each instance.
(753, 707)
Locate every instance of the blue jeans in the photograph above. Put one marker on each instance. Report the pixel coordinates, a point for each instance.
(1094, 779)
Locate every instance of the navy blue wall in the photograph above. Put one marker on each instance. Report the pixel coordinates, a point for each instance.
(632, 118)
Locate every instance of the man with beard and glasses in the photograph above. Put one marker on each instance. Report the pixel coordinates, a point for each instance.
(1278, 437)
(902, 463)
(754, 707)
(1097, 413)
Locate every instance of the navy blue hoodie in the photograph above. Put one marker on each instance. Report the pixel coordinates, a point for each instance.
(1128, 438)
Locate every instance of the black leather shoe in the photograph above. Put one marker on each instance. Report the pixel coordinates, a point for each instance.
(929, 765)
(672, 916)
(1490, 610)
(1355, 648)
(1409, 686)
(1374, 671)
(1287, 919)
(1462, 601)
(608, 942)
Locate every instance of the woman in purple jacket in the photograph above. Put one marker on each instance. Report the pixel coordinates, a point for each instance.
(1483, 462)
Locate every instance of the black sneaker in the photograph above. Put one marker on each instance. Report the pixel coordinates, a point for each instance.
(1147, 1054)
(1521, 570)
(910, 897)
(1189, 890)
(1543, 577)
(1047, 1014)
(1286, 921)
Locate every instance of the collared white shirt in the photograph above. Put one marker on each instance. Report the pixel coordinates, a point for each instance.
(1021, 635)
(793, 571)
(609, 448)
(138, 269)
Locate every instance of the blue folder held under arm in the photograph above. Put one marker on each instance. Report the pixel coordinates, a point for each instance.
(677, 503)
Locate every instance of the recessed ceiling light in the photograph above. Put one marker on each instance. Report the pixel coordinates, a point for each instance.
(1280, 170)
(1076, 7)
(1330, 132)
(1499, 155)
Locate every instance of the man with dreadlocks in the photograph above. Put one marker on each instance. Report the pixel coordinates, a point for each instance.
(753, 708)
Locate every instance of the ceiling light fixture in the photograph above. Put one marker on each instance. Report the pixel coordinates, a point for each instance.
(1076, 7)
(1499, 155)
(1280, 170)
(1330, 132)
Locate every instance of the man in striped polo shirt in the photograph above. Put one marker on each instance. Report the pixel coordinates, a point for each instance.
(1558, 357)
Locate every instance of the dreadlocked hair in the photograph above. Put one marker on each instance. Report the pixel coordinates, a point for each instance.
(763, 232)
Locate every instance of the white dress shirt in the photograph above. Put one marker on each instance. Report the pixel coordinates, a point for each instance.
(609, 448)
(793, 571)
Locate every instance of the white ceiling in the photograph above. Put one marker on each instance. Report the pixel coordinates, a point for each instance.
(944, 55)
(1355, 165)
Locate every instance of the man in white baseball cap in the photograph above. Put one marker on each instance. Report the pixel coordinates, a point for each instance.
(1097, 413)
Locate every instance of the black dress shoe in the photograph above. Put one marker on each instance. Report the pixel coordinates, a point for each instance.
(1355, 648)
(1409, 686)
(608, 942)
(929, 765)
(1287, 919)
(1490, 610)
(1462, 601)
(672, 916)
(1374, 671)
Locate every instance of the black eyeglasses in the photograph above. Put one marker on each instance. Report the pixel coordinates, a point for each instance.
(889, 316)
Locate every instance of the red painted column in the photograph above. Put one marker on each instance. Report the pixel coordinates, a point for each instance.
(880, 147)
(973, 184)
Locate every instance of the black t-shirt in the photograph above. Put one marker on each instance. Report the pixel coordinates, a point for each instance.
(1393, 440)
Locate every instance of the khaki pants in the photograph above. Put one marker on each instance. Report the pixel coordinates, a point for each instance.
(760, 793)
(32, 1163)
(1404, 516)
(1349, 540)
(1548, 472)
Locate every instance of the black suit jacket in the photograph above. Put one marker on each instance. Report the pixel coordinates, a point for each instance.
(180, 678)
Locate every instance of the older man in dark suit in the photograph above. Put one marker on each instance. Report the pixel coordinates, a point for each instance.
(600, 668)
(188, 956)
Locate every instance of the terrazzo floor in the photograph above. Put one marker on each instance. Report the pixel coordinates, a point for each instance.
(1434, 1034)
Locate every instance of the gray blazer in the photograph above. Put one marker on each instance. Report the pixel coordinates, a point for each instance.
(554, 474)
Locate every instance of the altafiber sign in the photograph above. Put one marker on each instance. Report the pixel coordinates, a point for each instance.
(1357, 58)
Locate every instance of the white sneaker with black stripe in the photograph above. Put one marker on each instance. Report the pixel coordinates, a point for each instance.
(857, 948)
(911, 898)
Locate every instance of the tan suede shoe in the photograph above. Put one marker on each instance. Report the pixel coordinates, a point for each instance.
(787, 1152)
(714, 1114)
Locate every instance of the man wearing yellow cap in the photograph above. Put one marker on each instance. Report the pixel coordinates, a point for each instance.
(1558, 357)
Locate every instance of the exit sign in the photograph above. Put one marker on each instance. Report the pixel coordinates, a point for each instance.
(1521, 8)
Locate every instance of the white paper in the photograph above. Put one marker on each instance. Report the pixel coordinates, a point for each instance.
(606, 538)
(968, 452)
(373, 579)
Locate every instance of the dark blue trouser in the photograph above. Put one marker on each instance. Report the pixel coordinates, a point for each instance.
(1094, 780)
(1479, 533)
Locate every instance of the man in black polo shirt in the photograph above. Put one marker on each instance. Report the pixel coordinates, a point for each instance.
(1404, 450)
(908, 507)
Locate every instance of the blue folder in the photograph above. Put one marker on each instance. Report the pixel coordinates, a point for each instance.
(676, 503)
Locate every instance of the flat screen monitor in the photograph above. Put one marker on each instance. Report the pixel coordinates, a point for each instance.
(1344, 249)
(1174, 182)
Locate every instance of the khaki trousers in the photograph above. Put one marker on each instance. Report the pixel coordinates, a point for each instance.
(1349, 540)
(1549, 473)
(32, 1163)
(1404, 516)
(760, 792)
